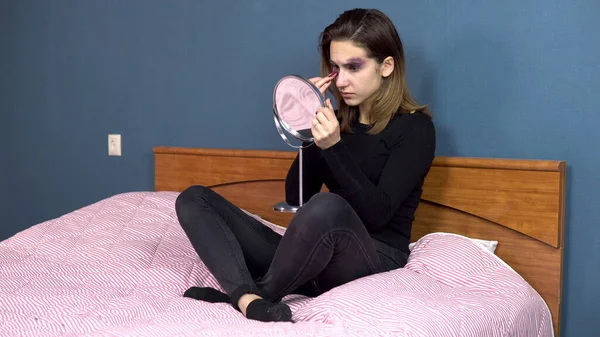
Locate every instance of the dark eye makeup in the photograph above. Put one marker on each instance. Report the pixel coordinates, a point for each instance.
(354, 64)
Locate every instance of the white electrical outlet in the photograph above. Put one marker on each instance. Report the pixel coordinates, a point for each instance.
(114, 145)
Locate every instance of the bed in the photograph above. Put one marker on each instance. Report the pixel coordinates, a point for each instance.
(118, 267)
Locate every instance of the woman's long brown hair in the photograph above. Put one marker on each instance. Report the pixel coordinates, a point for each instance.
(373, 31)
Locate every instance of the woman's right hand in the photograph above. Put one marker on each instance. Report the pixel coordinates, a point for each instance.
(322, 83)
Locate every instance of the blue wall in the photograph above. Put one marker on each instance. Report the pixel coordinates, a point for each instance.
(505, 79)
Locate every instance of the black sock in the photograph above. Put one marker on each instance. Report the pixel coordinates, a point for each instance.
(206, 294)
(265, 311)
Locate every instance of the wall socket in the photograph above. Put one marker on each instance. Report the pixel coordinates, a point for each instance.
(114, 145)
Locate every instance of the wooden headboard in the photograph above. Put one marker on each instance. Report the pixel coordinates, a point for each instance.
(519, 203)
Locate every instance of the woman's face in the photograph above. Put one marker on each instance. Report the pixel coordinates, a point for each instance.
(359, 77)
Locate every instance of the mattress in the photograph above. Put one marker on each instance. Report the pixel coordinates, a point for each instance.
(119, 267)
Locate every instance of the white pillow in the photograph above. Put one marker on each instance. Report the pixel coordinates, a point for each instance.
(489, 245)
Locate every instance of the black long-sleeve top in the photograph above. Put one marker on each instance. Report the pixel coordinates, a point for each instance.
(381, 176)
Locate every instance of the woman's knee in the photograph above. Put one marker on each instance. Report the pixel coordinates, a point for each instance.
(192, 193)
(190, 198)
(328, 200)
(326, 210)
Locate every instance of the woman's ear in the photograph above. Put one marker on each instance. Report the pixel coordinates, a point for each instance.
(387, 66)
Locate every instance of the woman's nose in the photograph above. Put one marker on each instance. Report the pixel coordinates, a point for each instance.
(340, 80)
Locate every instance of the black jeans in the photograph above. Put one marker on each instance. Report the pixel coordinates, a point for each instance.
(324, 246)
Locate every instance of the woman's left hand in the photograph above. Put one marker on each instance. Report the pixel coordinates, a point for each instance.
(325, 127)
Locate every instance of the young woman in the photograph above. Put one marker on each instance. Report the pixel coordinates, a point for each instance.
(373, 155)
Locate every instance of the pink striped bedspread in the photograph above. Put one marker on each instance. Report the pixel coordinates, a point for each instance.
(118, 267)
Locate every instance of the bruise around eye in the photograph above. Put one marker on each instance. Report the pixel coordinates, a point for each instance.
(351, 66)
